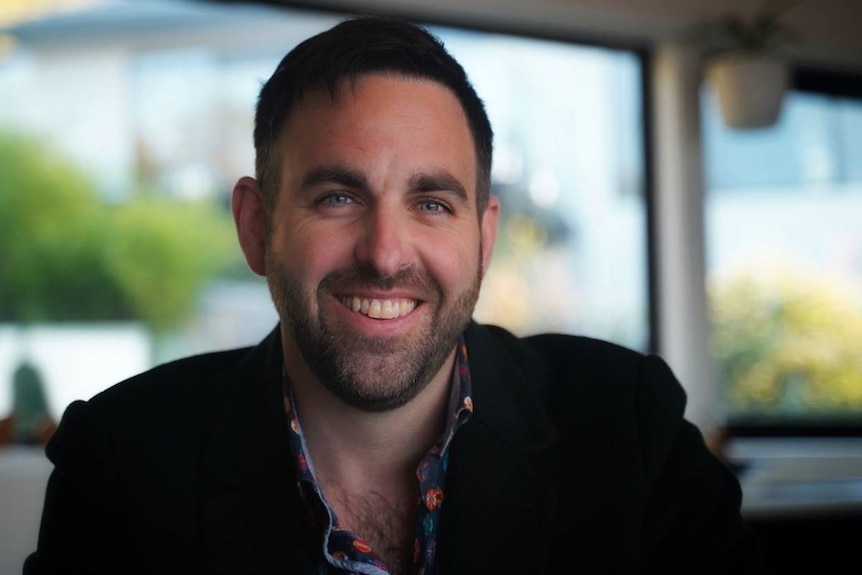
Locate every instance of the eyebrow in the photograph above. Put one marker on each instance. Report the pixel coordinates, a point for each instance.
(438, 182)
(335, 175)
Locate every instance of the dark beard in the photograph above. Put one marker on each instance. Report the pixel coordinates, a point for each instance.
(370, 373)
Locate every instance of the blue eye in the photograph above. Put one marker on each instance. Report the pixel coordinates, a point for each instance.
(434, 206)
(336, 199)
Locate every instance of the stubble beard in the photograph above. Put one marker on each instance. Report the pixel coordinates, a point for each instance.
(370, 373)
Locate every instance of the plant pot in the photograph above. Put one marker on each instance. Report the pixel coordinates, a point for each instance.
(750, 88)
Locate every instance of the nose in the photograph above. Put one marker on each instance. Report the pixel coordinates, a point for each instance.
(385, 242)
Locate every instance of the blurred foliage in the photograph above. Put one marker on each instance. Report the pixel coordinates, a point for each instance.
(788, 341)
(67, 256)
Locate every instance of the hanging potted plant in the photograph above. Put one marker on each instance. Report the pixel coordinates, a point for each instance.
(746, 68)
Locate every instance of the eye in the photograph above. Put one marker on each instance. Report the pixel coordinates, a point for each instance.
(335, 199)
(434, 206)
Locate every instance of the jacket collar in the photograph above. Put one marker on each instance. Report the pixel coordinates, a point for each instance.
(251, 514)
(502, 397)
(502, 484)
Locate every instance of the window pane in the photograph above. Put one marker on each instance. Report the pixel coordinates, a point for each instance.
(149, 107)
(784, 244)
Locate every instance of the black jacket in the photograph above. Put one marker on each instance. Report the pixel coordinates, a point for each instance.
(577, 460)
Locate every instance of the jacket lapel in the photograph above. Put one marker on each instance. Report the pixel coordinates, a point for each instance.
(501, 490)
(250, 512)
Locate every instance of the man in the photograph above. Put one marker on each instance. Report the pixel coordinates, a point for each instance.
(377, 429)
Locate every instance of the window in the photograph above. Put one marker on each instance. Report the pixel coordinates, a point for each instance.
(784, 247)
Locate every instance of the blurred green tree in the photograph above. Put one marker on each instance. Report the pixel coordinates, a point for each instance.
(67, 256)
(787, 341)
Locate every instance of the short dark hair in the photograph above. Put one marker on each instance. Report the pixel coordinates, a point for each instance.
(353, 48)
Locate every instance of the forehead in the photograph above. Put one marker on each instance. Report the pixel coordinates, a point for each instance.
(398, 93)
(414, 118)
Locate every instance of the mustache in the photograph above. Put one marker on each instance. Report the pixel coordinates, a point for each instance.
(366, 277)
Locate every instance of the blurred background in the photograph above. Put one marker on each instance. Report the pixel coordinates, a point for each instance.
(651, 197)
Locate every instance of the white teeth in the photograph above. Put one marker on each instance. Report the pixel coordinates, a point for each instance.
(380, 309)
(374, 310)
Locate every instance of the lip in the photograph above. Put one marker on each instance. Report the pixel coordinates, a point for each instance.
(377, 294)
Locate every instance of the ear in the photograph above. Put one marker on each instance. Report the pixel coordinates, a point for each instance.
(249, 216)
(490, 218)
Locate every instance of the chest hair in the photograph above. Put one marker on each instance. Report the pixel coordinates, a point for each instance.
(387, 525)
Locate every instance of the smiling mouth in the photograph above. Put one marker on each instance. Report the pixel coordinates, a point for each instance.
(380, 308)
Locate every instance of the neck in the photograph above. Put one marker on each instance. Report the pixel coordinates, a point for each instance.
(351, 447)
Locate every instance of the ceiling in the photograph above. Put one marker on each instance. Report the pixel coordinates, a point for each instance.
(828, 23)
(827, 31)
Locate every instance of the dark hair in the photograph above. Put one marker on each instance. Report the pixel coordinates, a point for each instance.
(351, 49)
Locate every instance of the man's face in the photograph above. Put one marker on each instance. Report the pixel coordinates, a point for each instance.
(376, 251)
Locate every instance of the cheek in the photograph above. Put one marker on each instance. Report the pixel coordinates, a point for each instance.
(310, 252)
(453, 262)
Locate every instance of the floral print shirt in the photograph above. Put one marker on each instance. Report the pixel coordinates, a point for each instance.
(345, 552)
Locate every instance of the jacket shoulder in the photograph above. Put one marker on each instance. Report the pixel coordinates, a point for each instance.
(163, 404)
(177, 378)
(585, 382)
(555, 358)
